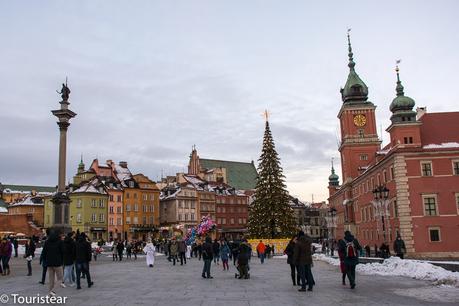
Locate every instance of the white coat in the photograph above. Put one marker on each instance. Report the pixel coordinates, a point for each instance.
(150, 251)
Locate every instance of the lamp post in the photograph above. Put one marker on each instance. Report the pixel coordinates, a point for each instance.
(331, 224)
(381, 205)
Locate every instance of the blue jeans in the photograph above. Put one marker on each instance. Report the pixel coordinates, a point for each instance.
(262, 258)
(206, 269)
(68, 271)
(82, 267)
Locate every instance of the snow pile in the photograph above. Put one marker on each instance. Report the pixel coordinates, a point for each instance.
(412, 268)
(395, 266)
(323, 257)
(280, 256)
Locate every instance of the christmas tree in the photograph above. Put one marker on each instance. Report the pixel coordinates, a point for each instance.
(270, 213)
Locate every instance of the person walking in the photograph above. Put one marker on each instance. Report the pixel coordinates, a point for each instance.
(243, 259)
(350, 248)
(120, 249)
(207, 256)
(188, 252)
(150, 251)
(83, 255)
(235, 251)
(342, 266)
(399, 247)
(174, 250)
(261, 248)
(293, 271)
(367, 251)
(69, 259)
(6, 249)
(44, 268)
(28, 256)
(199, 249)
(302, 257)
(115, 251)
(128, 250)
(224, 254)
(216, 250)
(53, 252)
(15, 245)
(181, 250)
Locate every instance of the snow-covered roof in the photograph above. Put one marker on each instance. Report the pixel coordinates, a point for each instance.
(29, 200)
(122, 174)
(91, 187)
(445, 145)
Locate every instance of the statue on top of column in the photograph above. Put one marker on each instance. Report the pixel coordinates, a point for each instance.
(65, 92)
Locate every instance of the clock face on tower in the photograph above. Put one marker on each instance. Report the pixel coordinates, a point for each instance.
(360, 120)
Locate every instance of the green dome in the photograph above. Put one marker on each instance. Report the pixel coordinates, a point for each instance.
(333, 177)
(355, 88)
(402, 103)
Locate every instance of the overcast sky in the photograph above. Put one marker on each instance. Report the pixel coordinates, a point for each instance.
(151, 78)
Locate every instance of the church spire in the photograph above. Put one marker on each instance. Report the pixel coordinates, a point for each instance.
(333, 179)
(399, 88)
(401, 106)
(351, 64)
(355, 90)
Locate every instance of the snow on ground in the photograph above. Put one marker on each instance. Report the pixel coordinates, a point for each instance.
(412, 268)
(395, 266)
(280, 256)
(323, 257)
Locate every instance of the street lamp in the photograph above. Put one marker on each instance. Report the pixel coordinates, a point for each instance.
(381, 205)
(331, 224)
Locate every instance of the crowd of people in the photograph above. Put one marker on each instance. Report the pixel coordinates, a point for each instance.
(66, 258)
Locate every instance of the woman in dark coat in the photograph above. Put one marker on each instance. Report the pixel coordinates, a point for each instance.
(289, 252)
(342, 266)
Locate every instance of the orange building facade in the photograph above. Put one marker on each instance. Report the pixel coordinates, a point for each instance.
(419, 169)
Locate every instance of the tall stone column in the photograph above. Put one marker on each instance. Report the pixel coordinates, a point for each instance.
(61, 199)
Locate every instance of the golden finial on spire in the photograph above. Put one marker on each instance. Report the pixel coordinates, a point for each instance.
(266, 115)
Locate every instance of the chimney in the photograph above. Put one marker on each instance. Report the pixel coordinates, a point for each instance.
(123, 164)
(420, 111)
(109, 162)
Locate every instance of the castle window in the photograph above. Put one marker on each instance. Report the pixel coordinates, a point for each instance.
(361, 133)
(426, 168)
(456, 167)
(363, 156)
(434, 234)
(430, 205)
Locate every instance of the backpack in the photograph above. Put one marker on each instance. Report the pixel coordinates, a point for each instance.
(350, 249)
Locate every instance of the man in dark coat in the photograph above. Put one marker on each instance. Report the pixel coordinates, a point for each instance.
(399, 247)
(350, 248)
(181, 251)
(120, 249)
(216, 250)
(207, 256)
(243, 259)
(302, 257)
(16, 245)
(53, 255)
(83, 255)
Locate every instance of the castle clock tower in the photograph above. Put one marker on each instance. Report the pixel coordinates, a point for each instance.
(359, 138)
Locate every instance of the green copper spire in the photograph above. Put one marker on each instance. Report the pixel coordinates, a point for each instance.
(401, 106)
(399, 88)
(351, 64)
(81, 165)
(355, 90)
(333, 179)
